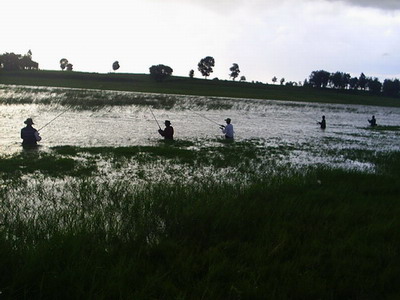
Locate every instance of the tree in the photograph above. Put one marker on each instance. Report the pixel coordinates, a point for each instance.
(15, 62)
(274, 79)
(362, 81)
(26, 63)
(242, 78)
(63, 63)
(69, 67)
(234, 71)
(391, 88)
(374, 86)
(353, 83)
(205, 66)
(115, 65)
(160, 72)
(319, 79)
(282, 81)
(191, 74)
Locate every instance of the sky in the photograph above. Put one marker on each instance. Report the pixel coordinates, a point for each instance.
(266, 38)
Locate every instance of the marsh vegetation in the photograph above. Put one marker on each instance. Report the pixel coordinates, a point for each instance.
(283, 212)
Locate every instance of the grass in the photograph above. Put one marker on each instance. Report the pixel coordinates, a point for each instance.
(288, 233)
(186, 86)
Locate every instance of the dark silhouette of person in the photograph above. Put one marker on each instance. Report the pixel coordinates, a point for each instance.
(29, 135)
(168, 132)
(372, 122)
(322, 123)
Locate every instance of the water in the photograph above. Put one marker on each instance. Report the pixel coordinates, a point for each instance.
(110, 118)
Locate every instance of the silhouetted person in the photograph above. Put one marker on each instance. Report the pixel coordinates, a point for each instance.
(228, 129)
(372, 122)
(168, 132)
(29, 135)
(322, 123)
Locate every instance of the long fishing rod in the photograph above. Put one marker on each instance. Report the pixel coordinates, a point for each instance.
(155, 118)
(69, 106)
(220, 125)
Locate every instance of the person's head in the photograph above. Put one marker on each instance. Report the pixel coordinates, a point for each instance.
(373, 117)
(29, 121)
(323, 117)
(228, 121)
(167, 123)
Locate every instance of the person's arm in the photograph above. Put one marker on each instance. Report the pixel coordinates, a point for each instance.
(37, 136)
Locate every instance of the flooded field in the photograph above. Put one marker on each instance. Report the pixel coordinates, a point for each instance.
(104, 196)
(92, 118)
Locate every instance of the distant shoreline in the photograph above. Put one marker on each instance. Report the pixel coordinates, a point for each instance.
(187, 86)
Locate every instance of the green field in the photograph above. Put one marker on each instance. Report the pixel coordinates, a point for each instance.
(187, 86)
(178, 221)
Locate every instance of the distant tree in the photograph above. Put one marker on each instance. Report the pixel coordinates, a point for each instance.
(69, 67)
(63, 63)
(242, 78)
(362, 81)
(374, 86)
(160, 72)
(26, 63)
(339, 80)
(234, 71)
(306, 83)
(274, 79)
(115, 65)
(191, 74)
(391, 88)
(319, 79)
(282, 81)
(15, 62)
(205, 66)
(353, 83)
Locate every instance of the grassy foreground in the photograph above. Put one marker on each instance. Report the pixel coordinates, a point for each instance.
(186, 86)
(308, 233)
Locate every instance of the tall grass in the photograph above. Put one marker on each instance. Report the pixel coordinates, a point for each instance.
(307, 233)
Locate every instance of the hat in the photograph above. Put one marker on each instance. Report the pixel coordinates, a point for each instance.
(29, 121)
(227, 120)
(167, 122)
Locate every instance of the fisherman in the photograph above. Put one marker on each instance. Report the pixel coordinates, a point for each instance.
(168, 132)
(372, 122)
(228, 129)
(29, 135)
(322, 123)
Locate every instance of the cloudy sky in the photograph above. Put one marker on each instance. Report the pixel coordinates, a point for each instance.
(266, 38)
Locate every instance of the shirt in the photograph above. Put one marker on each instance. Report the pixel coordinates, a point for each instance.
(228, 130)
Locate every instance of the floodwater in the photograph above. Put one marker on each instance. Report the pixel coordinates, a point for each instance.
(111, 118)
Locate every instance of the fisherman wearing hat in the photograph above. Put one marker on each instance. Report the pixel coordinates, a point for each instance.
(168, 132)
(228, 129)
(29, 135)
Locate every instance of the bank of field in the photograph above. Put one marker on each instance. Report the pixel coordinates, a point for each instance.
(187, 86)
(179, 221)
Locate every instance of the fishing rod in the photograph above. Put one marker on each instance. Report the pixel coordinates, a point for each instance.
(208, 119)
(68, 107)
(154, 118)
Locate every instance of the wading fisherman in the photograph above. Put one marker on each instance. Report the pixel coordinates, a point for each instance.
(322, 123)
(168, 132)
(372, 122)
(228, 129)
(29, 135)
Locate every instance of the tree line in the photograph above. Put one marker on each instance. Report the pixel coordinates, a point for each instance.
(15, 62)
(344, 81)
(317, 79)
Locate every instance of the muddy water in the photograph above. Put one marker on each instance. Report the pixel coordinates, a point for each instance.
(105, 118)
